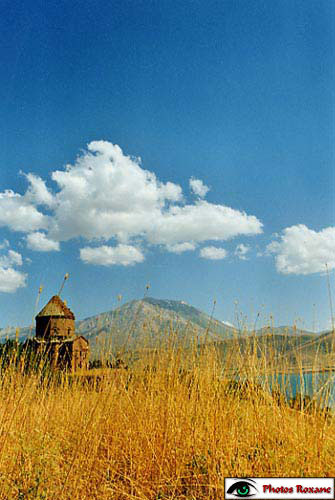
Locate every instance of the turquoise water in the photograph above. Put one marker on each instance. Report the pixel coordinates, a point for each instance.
(319, 386)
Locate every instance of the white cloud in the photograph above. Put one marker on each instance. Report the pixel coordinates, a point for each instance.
(19, 214)
(213, 253)
(4, 244)
(38, 241)
(301, 250)
(241, 251)
(198, 187)
(124, 255)
(10, 278)
(181, 247)
(38, 193)
(201, 222)
(107, 195)
(11, 259)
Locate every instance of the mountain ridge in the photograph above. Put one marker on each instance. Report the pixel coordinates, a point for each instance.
(159, 314)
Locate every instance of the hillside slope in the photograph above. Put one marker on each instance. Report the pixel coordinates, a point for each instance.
(149, 321)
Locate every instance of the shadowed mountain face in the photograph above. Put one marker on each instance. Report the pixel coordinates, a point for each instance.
(150, 321)
(317, 352)
(273, 346)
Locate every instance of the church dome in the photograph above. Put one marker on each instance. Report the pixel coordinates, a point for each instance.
(56, 308)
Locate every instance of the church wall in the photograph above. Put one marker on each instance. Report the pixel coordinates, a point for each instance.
(47, 327)
(57, 339)
(80, 352)
(42, 327)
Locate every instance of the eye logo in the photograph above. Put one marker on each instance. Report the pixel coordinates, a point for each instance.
(242, 489)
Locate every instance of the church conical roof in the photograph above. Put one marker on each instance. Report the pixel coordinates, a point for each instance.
(56, 307)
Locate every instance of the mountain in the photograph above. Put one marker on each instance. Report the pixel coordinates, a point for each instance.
(149, 321)
(285, 330)
(317, 352)
(10, 333)
(274, 346)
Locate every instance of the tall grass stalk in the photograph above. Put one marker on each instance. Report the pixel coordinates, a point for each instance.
(173, 425)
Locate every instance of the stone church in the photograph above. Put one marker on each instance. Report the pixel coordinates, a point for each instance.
(56, 337)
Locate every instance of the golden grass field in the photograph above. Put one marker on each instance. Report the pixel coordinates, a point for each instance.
(169, 427)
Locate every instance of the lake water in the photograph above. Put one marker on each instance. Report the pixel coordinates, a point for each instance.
(319, 386)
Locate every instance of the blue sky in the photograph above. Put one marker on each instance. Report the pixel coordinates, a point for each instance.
(231, 95)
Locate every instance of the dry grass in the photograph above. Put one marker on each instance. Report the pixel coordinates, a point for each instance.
(168, 427)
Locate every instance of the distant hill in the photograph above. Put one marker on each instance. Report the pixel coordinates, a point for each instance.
(273, 346)
(149, 321)
(10, 333)
(318, 351)
(285, 330)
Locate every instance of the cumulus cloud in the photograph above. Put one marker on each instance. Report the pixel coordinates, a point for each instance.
(17, 213)
(200, 222)
(38, 241)
(11, 259)
(198, 187)
(241, 251)
(213, 253)
(4, 244)
(108, 195)
(123, 255)
(301, 250)
(38, 193)
(10, 278)
(181, 247)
